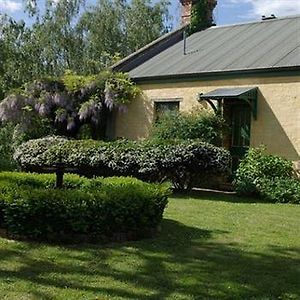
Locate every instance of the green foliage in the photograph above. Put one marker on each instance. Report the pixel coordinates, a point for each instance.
(182, 162)
(112, 28)
(95, 208)
(86, 39)
(19, 54)
(202, 15)
(282, 190)
(6, 148)
(266, 175)
(13, 180)
(10, 138)
(257, 165)
(122, 89)
(199, 124)
(73, 82)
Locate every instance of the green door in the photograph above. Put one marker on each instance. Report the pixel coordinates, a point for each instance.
(240, 137)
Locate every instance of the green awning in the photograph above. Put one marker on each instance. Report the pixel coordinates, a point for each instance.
(248, 94)
(240, 93)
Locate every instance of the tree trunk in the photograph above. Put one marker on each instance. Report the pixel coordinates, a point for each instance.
(59, 179)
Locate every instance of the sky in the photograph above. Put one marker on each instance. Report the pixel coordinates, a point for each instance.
(227, 11)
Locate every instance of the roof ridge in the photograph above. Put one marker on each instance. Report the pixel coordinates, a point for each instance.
(256, 21)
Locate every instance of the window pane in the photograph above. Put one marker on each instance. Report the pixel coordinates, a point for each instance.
(165, 107)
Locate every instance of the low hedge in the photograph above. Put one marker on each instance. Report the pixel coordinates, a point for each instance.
(181, 162)
(89, 209)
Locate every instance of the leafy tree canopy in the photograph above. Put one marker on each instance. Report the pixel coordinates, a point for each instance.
(70, 34)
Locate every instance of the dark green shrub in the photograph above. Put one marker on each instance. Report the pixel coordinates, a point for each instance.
(205, 126)
(12, 183)
(266, 175)
(257, 165)
(96, 208)
(6, 148)
(2, 208)
(181, 162)
(11, 136)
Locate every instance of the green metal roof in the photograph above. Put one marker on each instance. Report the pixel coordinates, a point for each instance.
(268, 45)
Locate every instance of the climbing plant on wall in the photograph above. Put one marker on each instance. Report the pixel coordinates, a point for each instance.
(69, 102)
(202, 16)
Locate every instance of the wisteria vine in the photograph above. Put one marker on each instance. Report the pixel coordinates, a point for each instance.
(70, 101)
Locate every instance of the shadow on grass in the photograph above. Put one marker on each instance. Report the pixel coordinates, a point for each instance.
(217, 196)
(183, 261)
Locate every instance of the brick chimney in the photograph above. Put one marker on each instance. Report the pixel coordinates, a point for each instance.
(186, 10)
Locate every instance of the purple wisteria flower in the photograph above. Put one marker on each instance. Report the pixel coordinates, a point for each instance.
(110, 96)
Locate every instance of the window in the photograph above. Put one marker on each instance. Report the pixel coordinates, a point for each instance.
(162, 107)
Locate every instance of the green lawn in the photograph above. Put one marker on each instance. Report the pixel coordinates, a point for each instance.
(211, 247)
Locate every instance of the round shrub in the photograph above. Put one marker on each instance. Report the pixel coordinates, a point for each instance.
(93, 209)
(267, 176)
(181, 162)
(281, 190)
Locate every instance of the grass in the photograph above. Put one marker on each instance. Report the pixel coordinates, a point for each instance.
(211, 247)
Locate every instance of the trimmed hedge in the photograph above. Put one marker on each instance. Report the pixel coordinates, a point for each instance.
(92, 209)
(268, 176)
(181, 162)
